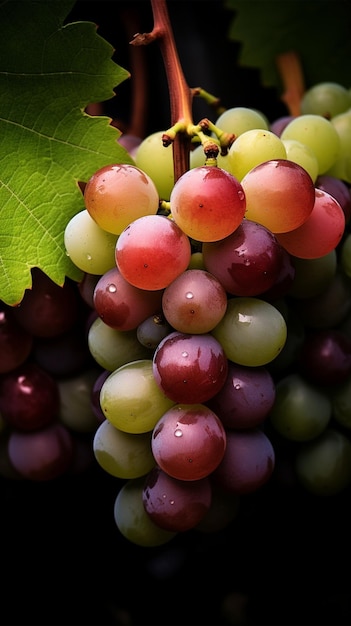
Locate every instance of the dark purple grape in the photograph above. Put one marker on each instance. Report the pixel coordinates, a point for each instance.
(246, 263)
(278, 125)
(190, 369)
(95, 395)
(325, 357)
(173, 504)
(15, 342)
(47, 309)
(63, 355)
(246, 397)
(29, 397)
(248, 462)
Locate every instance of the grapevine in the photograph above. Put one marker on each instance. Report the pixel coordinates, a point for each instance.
(195, 358)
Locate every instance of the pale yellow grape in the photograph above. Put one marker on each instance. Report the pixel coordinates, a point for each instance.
(123, 455)
(252, 148)
(89, 247)
(113, 348)
(131, 399)
(157, 161)
(341, 168)
(319, 135)
(252, 332)
(327, 99)
(302, 155)
(238, 120)
(132, 520)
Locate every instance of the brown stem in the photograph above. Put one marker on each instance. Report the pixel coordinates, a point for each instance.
(180, 95)
(290, 70)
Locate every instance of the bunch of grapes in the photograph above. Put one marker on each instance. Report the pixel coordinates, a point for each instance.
(220, 316)
(46, 380)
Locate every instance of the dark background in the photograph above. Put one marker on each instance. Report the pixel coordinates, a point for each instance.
(283, 561)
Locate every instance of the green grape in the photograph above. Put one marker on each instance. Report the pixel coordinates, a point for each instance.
(341, 167)
(319, 135)
(132, 520)
(238, 120)
(327, 99)
(113, 348)
(89, 247)
(301, 411)
(123, 455)
(341, 404)
(312, 276)
(252, 148)
(323, 465)
(157, 161)
(252, 332)
(75, 401)
(302, 155)
(131, 399)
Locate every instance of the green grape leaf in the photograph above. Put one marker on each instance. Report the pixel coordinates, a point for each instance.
(49, 72)
(317, 30)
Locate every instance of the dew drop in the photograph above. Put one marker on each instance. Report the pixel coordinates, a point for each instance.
(112, 288)
(178, 432)
(172, 501)
(189, 295)
(185, 354)
(237, 386)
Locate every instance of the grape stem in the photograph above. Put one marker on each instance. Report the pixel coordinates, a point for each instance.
(180, 94)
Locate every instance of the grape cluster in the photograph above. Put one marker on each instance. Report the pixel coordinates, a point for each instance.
(222, 323)
(46, 380)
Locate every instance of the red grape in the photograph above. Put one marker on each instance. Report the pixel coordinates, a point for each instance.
(208, 203)
(190, 369)
(188, 442)
(247, 262)
(152, 251)
(175, 505)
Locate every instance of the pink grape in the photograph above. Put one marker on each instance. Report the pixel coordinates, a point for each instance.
(152, 251)
(247, 262)
(173, 504)
(208, 203)
(194, 302)
(188, 441)
(338, 189)
(320, 233)
(190, 369)
(246, 397)
(248, 462)
(43, 454)
(279, 194)
(121, 305)
(117, 194)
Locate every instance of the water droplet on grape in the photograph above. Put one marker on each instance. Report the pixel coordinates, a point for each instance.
(178, 432)
(185, 354)
(172, 501)
(237, 386)
(189, 295)
(112, 288)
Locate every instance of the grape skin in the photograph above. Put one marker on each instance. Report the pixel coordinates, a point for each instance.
(188, 441)
(189, 368)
